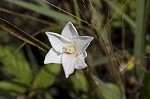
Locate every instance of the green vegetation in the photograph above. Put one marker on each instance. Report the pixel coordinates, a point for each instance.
(118, 57)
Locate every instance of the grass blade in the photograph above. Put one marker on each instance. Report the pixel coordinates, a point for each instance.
(142, 13)
(10, 28)
(44, 11)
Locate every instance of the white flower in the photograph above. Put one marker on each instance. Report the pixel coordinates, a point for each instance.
(68, 49)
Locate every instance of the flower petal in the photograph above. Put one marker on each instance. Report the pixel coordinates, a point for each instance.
(82, 42)
(84, 54)
(68, 62)
(69, 31)
(57, 41)
(52, 57)
(80, 62)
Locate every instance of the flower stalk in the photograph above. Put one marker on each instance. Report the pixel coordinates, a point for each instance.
(95, 93)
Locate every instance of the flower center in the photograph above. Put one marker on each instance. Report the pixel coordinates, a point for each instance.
(70, 49)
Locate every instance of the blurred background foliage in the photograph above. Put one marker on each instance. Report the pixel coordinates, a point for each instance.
(121, 32)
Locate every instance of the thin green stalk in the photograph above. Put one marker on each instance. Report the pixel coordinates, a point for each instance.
(10, 28)
(95, 94)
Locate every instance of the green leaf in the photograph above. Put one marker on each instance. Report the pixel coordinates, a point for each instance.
(109, 90)
(141, 28)
(46, 76)
(16, 65)
(43, 4)
(79, 82)
(12, 87)
(42, 10)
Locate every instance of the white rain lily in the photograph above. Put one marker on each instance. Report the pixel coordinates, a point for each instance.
(68, 49)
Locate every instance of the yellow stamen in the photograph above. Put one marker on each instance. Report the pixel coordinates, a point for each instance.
(70, 49)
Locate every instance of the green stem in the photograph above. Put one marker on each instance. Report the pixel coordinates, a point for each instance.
(95, 93)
